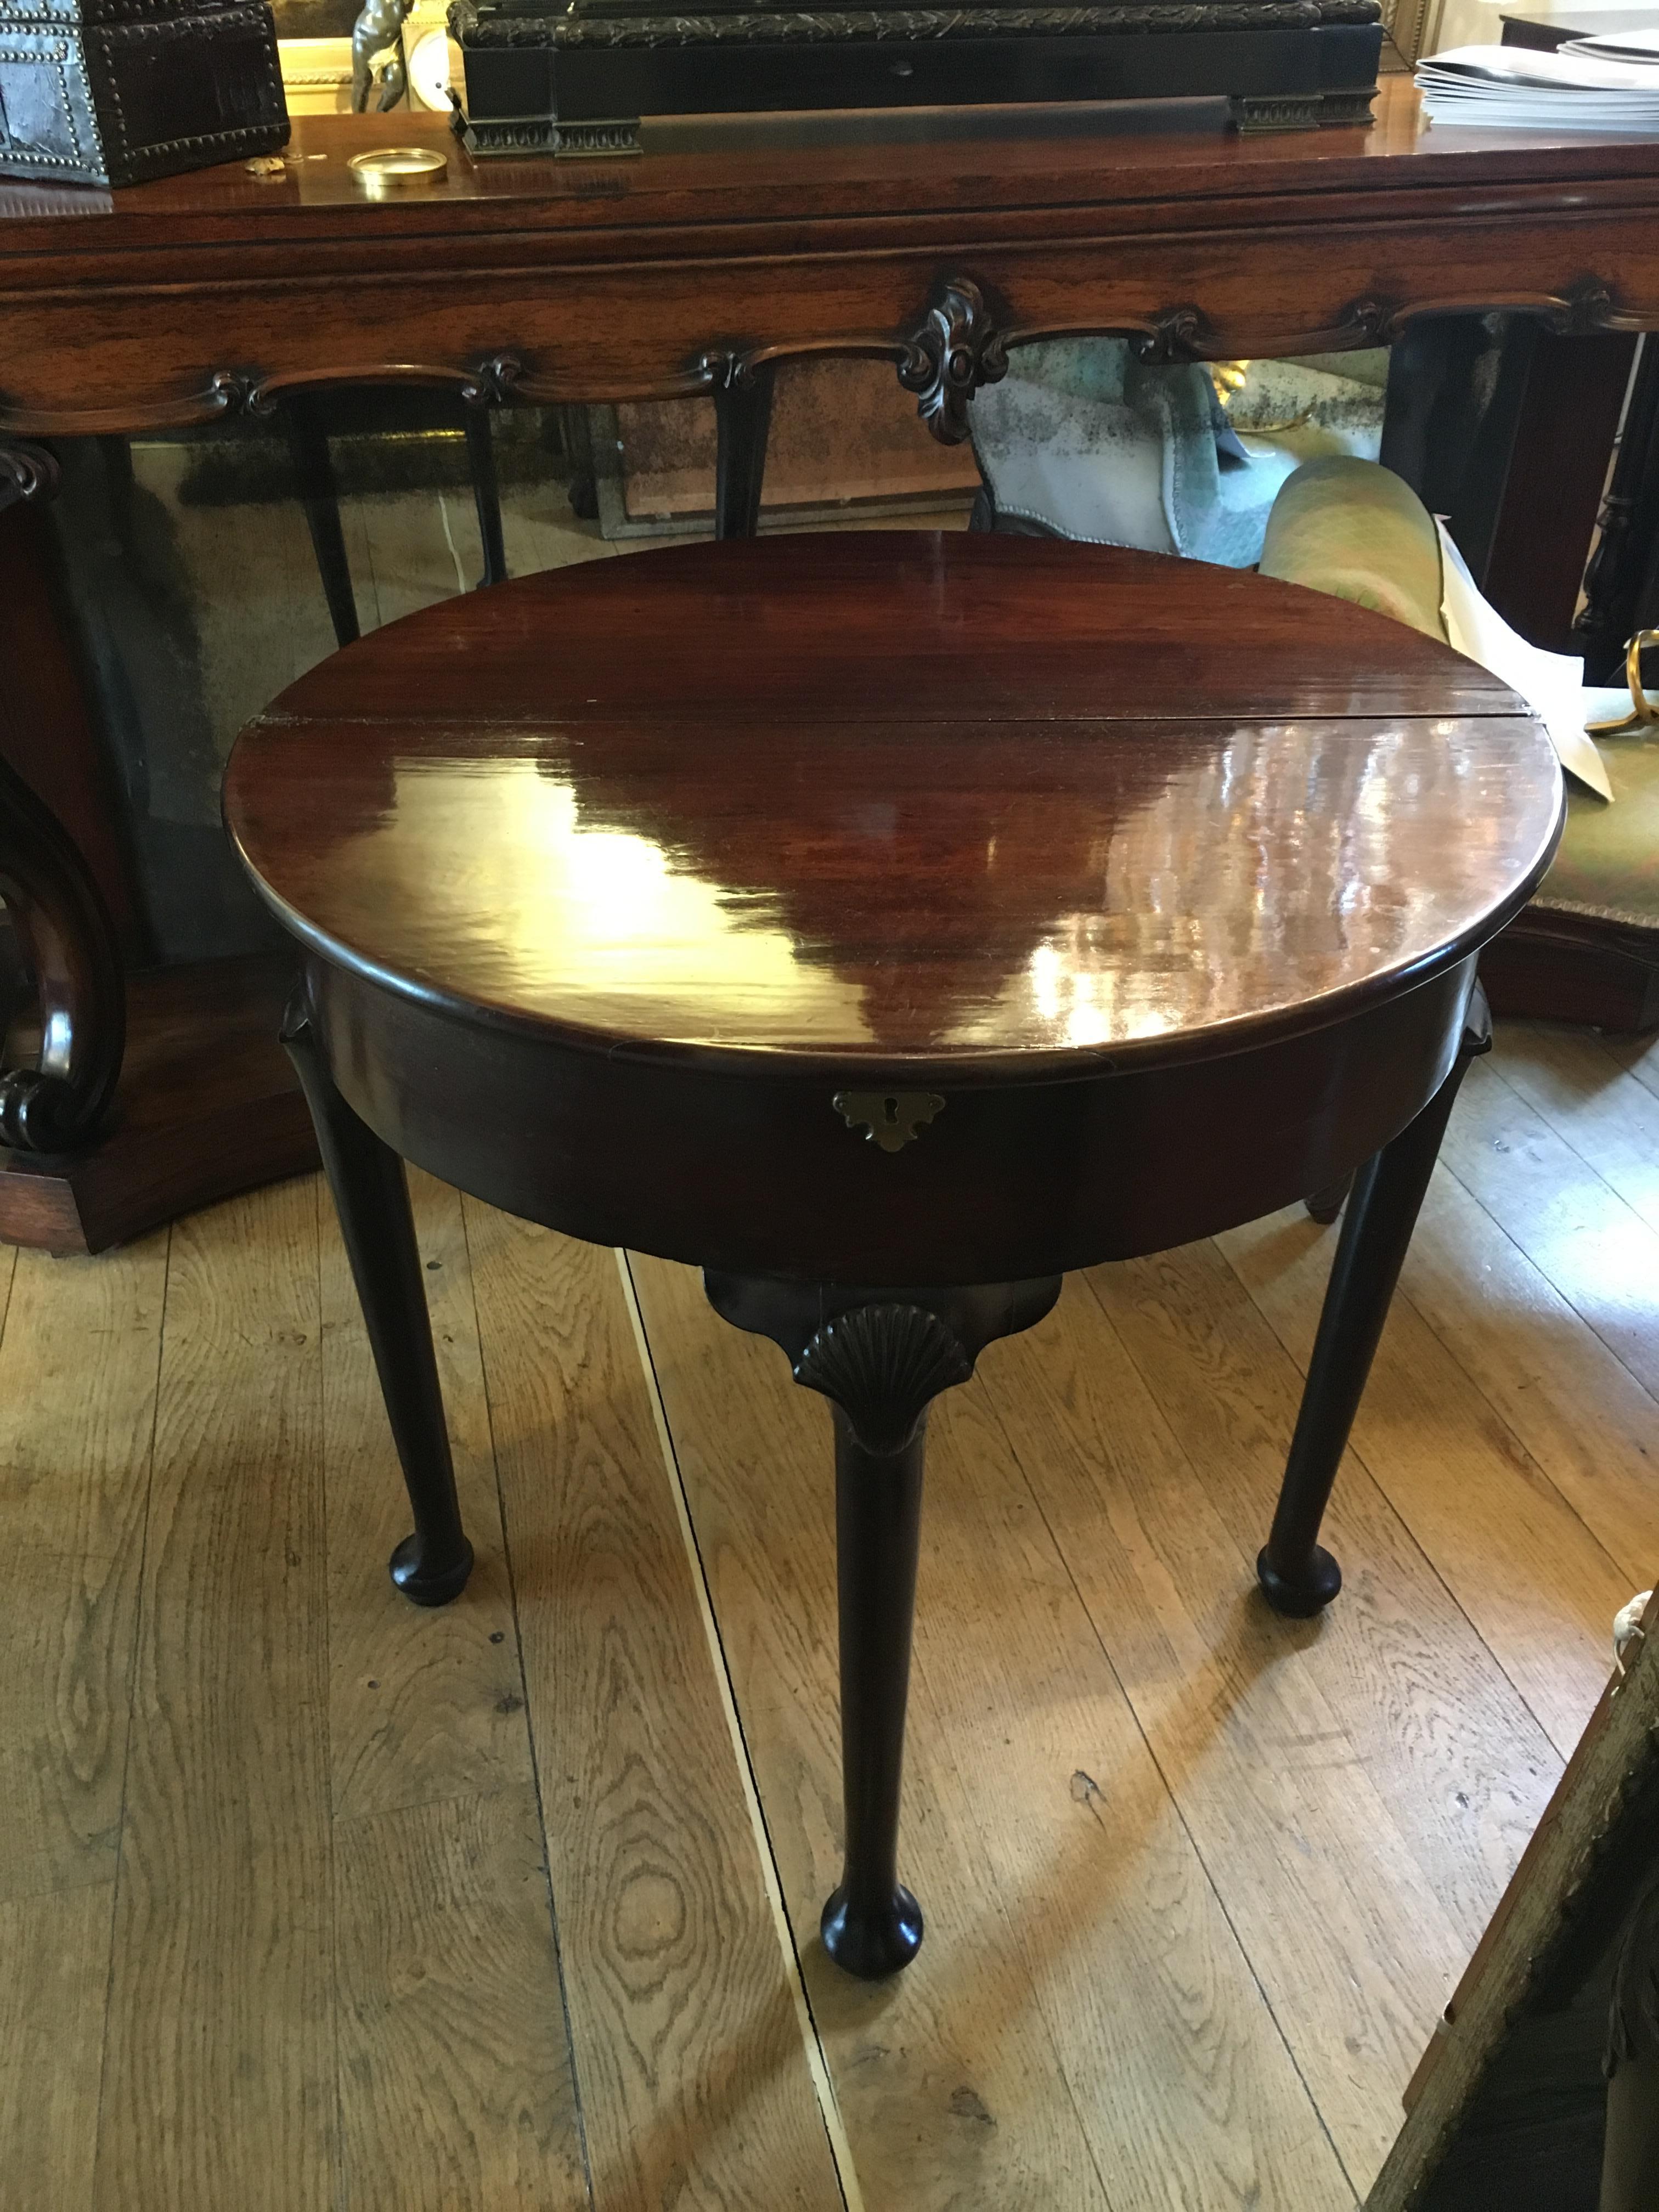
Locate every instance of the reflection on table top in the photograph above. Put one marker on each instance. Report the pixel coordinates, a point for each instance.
(948, 801)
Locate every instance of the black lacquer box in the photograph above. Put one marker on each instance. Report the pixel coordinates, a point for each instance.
(576, 77)
(107, 92)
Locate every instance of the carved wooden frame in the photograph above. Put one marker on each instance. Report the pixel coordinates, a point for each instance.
(63, 931)
(959, 341)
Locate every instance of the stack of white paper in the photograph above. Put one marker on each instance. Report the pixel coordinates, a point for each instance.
(1512, 87)
(1637, 46)
(1550, 683)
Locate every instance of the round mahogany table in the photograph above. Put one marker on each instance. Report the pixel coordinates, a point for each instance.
(888, 923)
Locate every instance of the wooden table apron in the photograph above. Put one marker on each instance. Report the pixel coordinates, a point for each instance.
(756, 1171)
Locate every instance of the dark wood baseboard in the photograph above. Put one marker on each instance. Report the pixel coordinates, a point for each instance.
(207, 1105)
(1570, 968)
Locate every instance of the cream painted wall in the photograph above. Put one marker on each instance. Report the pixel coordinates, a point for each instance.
(1480, 22)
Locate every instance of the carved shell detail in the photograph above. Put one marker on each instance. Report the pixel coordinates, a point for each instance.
(883, 1366)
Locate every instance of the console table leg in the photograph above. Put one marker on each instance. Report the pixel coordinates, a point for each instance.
(1324, 1204)
(319, 496)
(872, 1925)
(743, 418)
(881, 1357)
(371, 1196)
(486, 492)
(1297, 1575)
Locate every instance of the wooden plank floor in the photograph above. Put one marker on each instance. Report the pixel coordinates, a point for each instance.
(309, 1899)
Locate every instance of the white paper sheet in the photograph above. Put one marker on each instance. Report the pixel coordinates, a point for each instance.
(1552, 683)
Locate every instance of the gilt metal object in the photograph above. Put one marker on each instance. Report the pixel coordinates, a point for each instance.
(893, 1119)
(1644, 712)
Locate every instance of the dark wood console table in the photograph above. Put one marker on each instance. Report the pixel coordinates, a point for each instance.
(937, 241)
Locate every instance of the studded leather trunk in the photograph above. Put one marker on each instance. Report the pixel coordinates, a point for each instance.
(107, 92)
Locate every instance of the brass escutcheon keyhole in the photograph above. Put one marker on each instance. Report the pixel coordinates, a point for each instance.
(892, 1118)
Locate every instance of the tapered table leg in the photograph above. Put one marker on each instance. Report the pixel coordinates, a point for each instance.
(881, 1357)
(872, 1924)
(486, 491)
(371, 1196)
(1297, 1575)
(1324, 1204)
(320, 495)
(743, 417)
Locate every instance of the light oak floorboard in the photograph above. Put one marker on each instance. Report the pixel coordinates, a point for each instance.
(426, 1702)
(1574, 1407)
(1603, 1111)
(219, 2085)
(1638, 1055)
(540, 531)
(1074, 1940)
(455, 2082)
(695, 2084)
(1599, 1252)
(410, 562)
(53, 1980)
(78, 1363)
(1303, 1825)
(1190, 1871)
(1538, 1588)
(1140, 1976)
(455, 2079)
(1476, 1768)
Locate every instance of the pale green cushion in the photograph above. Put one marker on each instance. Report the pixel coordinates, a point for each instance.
(1353, 528)
(1608, 863)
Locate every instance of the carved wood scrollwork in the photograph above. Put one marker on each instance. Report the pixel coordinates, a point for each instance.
(492, 382)
(64, 933)
(958, 343)
(954, 348)
(1174, 336)
(25, 472)
(68, 943)
(495, 381)
(1580, 311)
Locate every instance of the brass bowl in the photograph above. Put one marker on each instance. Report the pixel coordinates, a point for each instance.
(390, 169)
